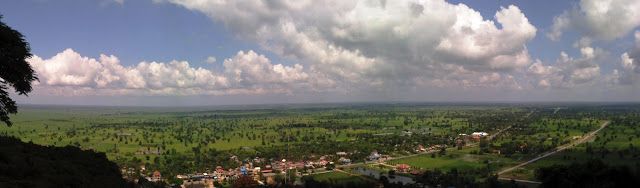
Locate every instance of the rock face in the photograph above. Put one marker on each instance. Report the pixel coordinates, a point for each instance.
(30, 165)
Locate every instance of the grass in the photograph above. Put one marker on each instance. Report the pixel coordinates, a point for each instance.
(459, 159)
(426, 162)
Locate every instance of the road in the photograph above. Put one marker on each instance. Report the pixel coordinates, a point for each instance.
(491, 137)
(521, 181)
(557, 149)
(498, 133)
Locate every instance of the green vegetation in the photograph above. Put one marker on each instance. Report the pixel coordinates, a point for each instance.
(444, 162)
(186, 140)
(333, 177)
(337, 179)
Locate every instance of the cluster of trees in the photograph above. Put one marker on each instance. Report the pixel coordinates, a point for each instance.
(593, 173)
(310, 182)
(452, 178)
(30, 165)
(511, 147)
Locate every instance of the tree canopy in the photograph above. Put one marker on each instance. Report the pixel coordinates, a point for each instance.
(593, 173)
(30, 165)
(14, 70)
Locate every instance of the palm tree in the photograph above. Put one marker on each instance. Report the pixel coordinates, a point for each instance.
(14, 70)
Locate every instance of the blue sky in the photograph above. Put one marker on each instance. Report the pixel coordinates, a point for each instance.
(135, 30)
(163, 31)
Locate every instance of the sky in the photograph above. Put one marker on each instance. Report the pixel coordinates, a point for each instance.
(222, 52)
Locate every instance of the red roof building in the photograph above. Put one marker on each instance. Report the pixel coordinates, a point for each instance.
(403, 167)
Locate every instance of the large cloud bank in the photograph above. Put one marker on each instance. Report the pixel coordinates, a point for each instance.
(69, 73)
(365, 45)
(381, 43)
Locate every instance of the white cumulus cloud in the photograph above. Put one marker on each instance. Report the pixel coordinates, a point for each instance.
(568, 72)
(598, 19)
(211, 60)
(69, 73)
(374, 43)
(628, 72)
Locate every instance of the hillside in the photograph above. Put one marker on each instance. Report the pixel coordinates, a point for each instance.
(30, 165)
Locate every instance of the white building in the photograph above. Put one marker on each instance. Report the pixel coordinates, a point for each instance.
(480, 134)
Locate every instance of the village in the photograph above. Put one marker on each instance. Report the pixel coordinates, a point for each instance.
(271, 172)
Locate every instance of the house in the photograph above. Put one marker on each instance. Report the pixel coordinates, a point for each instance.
(258, 160)
(341, 153)
(243, 170)
(374, 156)
(404, 168)
(220, 173)
(156, 176)
(198, 183)
(298, 165)
(323, 162)
(420, 148)
(309, 165)
(270, 178)
(479, 134)
(267, 169)
(343, 160)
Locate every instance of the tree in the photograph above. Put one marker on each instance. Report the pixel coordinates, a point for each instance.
(14, 70)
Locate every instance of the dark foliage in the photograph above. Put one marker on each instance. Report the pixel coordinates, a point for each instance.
(593, 173)
(14, 70)
(446, 179)
(245, 182)
(144, 183)
(310, 182)
(30, 165)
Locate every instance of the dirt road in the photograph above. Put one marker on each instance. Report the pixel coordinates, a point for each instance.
(557, 149)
